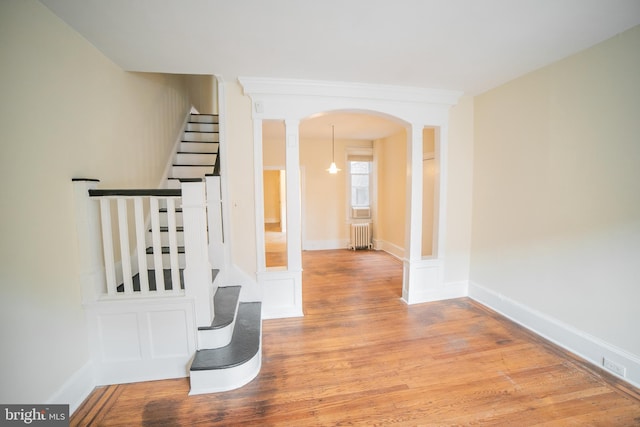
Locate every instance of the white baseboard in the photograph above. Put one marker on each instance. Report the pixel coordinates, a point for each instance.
(323, 245)
(444, 292)
(578, 342)
(390, 248)
(76, 389)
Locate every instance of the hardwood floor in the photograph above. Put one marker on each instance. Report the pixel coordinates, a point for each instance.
(275, 246)
(360, 356)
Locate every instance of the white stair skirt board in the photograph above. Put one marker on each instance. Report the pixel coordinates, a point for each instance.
(218, 380)
(580, 343)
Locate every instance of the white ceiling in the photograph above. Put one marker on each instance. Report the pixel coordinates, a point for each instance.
(466, 45)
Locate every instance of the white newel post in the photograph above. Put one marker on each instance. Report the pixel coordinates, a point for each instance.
(92, 276)
(214, 214)
(197, 274)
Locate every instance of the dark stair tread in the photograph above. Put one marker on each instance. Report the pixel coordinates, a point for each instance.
(187, 180)
(167, 280)
(203, 166)
(245, 342)
(164, 210)
(195, 152)
(224, 302)
(179, 229)
(202, 142)
(168, 283)
(165, 250)
(202, 131)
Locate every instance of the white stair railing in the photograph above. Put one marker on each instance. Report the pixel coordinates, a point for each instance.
(130, 274)
(129, 248)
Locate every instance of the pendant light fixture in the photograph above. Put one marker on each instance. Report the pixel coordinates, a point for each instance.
(333, 169)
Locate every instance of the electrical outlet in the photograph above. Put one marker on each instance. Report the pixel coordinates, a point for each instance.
(614, 367)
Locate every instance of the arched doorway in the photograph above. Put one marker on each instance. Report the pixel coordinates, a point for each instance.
(293, 102)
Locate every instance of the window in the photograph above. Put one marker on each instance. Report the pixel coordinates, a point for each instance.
(360, 174)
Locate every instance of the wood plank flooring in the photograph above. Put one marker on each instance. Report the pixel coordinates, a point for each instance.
(360, 356)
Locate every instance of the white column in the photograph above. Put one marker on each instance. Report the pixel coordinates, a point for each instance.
(197, 273)
(294, 214)
(413, 221)
(258, 166)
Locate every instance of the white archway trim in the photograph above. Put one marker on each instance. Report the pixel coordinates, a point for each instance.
(416, 108)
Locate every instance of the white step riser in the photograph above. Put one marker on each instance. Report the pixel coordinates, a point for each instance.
(202, 127)
(164, 221)
(195, 118)
(199, 147)
(164, 239)
(166, 261)
(200, 136)
(215, 338)
(196, 159)
(217, 380)
(191, 171)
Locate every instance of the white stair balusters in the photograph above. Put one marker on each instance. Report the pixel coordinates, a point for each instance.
(140, 244)
(107, 246)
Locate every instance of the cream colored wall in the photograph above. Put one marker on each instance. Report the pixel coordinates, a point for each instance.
(202, 93)
(556, 206)
(241, 180)
(325, 195)
(457, 245)
(271, 183)
(392, 165)
(66, 111)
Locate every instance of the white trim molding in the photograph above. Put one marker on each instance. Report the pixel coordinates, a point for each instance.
(292, 101)
(76, 389)
(580, 343)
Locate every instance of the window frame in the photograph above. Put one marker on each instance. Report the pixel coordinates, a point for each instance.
(360, 154)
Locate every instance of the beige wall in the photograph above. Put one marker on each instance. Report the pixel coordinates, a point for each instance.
(556, 204)
(457, 245)
(392, 164)
(325, 195)
(241, 180)
(66, 112)
(271, 183)
(203, 93)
